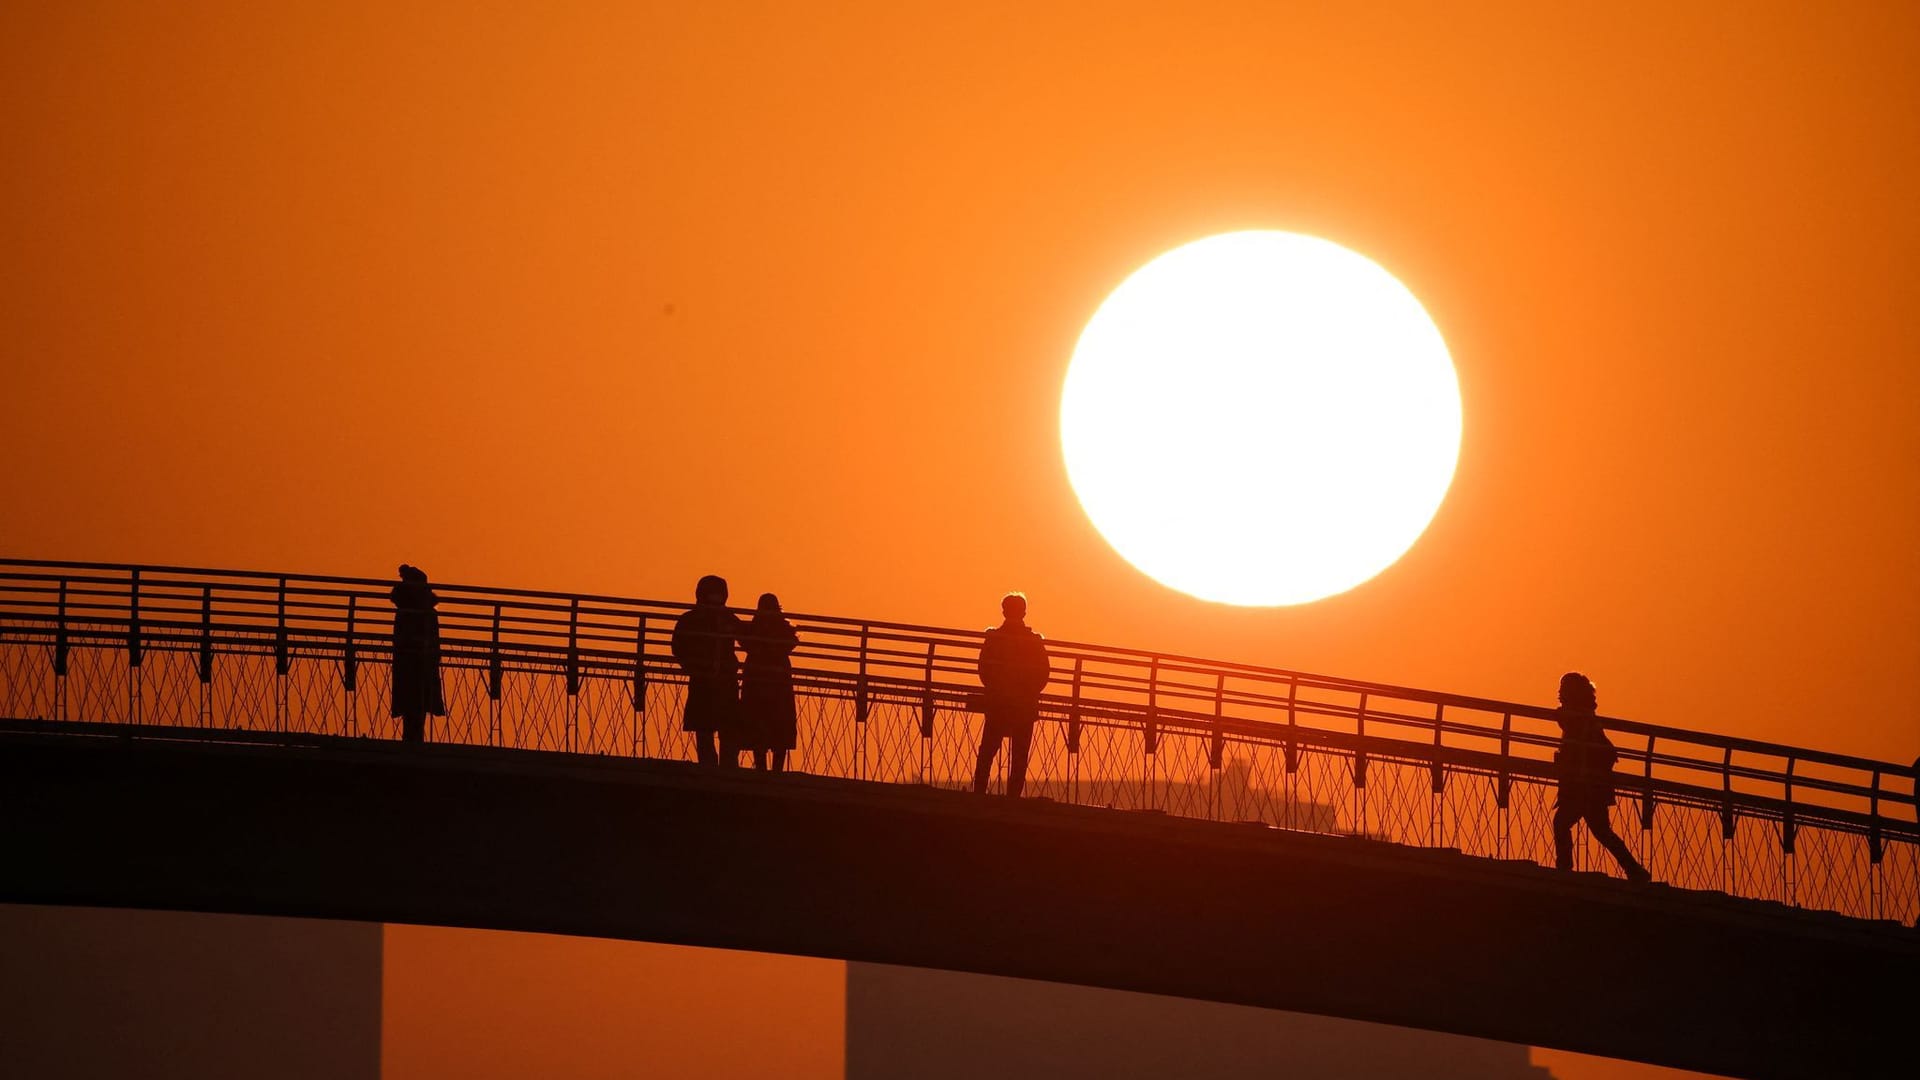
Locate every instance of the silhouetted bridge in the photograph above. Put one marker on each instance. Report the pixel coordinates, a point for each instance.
(219, 740)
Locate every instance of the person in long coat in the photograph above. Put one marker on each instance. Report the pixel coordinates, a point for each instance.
(416, 655)
(766, 695)
(703, 645)
(1014, 669)
(1585, 760)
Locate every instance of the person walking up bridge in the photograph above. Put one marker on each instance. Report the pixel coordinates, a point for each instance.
(1585, 760)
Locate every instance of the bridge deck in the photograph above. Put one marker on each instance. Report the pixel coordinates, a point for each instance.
(583, 844)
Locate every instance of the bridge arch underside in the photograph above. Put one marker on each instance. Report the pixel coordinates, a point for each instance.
(468, 836)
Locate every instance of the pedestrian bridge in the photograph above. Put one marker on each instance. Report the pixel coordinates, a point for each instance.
(219, 740)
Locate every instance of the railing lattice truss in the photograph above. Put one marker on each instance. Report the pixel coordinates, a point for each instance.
(890, 702)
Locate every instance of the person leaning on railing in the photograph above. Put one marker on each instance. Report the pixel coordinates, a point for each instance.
(1585, 760)
(416, 655)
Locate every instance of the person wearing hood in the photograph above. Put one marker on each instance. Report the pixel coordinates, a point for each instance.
(768, 719)
(416, 655)
(703, 644)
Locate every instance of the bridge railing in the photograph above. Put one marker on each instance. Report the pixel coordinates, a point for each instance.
(893, 702)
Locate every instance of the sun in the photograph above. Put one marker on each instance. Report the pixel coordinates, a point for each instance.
(1261, 418)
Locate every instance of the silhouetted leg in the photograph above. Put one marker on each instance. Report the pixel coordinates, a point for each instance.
(759, 759)
(703, 747)
(1018, 743)
(1602, 830)
(1564, 818)
(413, 728)
(989, 749)
(779, 760)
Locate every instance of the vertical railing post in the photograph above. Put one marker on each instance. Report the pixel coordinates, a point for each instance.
(1647, 801)
(1647, 805)
(1290, 749)
(496, 680)
(60, 649)
(926, 718)
(639, 692)
(1150, 736)
(133, 619)
(1217, 740)
(573, 648)
(573, 674)
(1436, 821)
(133, 648)
(860, 706)
(1503, 787)
(1360, 766)
(350, 669)
(1073, 732)
(1788, 827)
(1727, 852)
(1876, 849)
(204, 667)
(282, 658)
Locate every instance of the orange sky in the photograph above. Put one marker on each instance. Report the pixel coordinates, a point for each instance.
(591, 297)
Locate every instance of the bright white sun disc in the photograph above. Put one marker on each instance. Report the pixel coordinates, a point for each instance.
(1261, 418)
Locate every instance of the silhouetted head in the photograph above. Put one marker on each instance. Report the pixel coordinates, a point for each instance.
(1014, 606)
(769, 604)
(1577, 693)
(413, 574)
(712, 589)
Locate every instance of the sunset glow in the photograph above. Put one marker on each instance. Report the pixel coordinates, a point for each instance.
(1261, 418)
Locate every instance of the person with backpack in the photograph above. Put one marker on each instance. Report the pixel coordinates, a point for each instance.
(1014, 669)
(1585, 762)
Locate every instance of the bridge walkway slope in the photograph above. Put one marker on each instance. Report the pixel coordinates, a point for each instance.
(355, 828)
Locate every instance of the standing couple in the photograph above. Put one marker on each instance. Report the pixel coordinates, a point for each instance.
(725, 712)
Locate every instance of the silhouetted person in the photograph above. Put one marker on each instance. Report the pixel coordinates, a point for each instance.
(703, 643)
(416, 655)
(1014, 668)
(1585, 760)
(768, 717)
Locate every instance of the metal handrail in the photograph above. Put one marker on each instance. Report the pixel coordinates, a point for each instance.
(178, 607)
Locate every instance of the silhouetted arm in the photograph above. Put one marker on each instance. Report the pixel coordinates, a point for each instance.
(990, 663)
(1040, 670)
